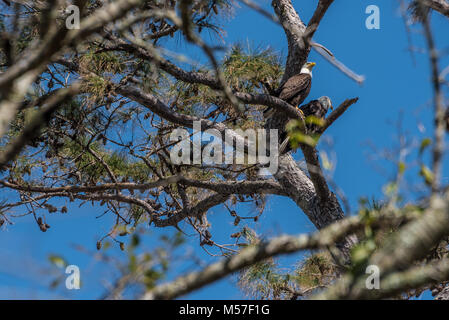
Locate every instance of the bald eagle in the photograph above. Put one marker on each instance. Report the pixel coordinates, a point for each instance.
(316, 108)
(296, 89)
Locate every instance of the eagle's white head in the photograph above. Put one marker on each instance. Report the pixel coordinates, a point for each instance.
(326, 103)
(307, 68)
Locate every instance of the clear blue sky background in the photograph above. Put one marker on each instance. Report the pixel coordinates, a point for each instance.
(394, 83)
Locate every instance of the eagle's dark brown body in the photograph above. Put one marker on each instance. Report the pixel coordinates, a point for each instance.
(315, 108)
(296, 89)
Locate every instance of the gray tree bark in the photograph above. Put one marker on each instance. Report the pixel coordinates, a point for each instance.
(310, 193)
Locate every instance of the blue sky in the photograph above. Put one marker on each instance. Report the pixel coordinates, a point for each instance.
(394, 84)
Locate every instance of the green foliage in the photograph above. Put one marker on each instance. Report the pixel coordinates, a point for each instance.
(425, 143)
(193, 99)
(295, 129)
(96, 85)
(27, 34)
(390, 189)
(316, 271)
(153, 79)
(266, 280)
(426, 174)
(58, 261)
(101, 62)
(119, 162)
(246, 72)
(261, 281)
(402, 167)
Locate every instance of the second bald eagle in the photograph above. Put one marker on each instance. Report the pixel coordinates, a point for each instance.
(315, 108)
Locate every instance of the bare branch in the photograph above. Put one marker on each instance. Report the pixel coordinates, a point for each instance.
(441, 6)
(225, 187)
(196, 211)
(399, 251)
(336, 114)
(339, 65)
(37, 122)
(255, 253)
(439, 109)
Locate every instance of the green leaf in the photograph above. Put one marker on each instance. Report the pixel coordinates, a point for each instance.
(135, 240)
(297, 138)
(360, 254)
(58, 261)
(424, 144)
(390, 189)
(427, 174)
(314, 120)
(327, 164)
(402, 166)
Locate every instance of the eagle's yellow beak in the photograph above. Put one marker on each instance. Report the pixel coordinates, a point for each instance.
(310, 65)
